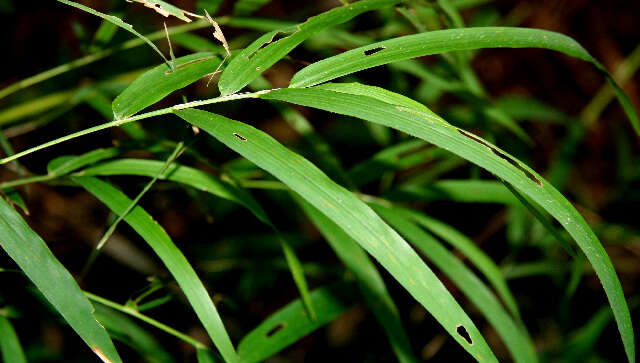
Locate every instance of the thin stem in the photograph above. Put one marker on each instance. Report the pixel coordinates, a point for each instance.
(164, 111)
(96, 251)
(146, 319)
(29, 180)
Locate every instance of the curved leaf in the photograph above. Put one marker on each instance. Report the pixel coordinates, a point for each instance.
(172, 257)
(440, 41)
(431, 128)
(35, 259)
(516, 339)
(265, 51)
(353, 216)
(157, 83)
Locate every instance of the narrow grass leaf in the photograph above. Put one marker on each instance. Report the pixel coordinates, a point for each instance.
(431, 128)
(516, 339)
(353, 216)
(10, 346)
(35, 259)
(165, 9)
(267, 50)
(476, 256)
(369, 280)
(247, 7)
(159, 82)
(440, 41)
(289, 324)
(172, 257)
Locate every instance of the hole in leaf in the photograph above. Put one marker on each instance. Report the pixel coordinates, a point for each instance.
(276, 329)
(526, 172)
(240, 136)
(374, 50)
(158, 5)
(464, 334)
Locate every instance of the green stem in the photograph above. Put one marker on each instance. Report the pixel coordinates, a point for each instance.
(164, 111)
(29, 180)
(146, 319)
(96, 251)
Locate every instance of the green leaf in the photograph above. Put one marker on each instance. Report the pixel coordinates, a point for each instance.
(117, 21)
(289, 324)
(431, 128)
(121, 328)
(475, 255)
(369, 280)
(172, 257)
(9, 343)
(267, 50)
(158, 82)
(165, 9)
(515, 338)
(352, 215)
(440, 41)
(35, 259)
(210, 184)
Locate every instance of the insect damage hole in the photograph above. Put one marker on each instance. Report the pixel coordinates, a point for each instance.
(276, 329)
(462, 331)
(374, 50)
(240, 136)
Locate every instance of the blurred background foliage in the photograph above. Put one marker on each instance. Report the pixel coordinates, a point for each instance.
(573, 135)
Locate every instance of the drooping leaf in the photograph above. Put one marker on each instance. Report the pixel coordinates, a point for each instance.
(159, 82)
(172, 257)
(267, 50)
(440, 41)
(431, 128)
(35, 259)
(10, 347)
(353, 216)
(371, 284)
(291, 323)
(515, 338)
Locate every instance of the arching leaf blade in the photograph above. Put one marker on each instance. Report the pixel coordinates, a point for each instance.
(353, 216)
(440, 41)
(431, 128)
(172, 257)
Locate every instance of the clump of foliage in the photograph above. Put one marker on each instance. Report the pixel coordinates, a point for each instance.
(274, 199)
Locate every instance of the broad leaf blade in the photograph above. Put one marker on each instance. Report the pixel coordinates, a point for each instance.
(440, 41)
(266, 51)
(157, 83)
(291, 323)
(35, 259)
(172, 257)
(431, 128)
(352, 215)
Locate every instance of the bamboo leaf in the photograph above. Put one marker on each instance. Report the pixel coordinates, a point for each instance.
(440, 41)
(9, 343)
(431, 128)
(35, 259)
(371, 284)
(172, 257)
(267, 50)
(353, 216)
(157, 83)
(516, 339)
(291, 323)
